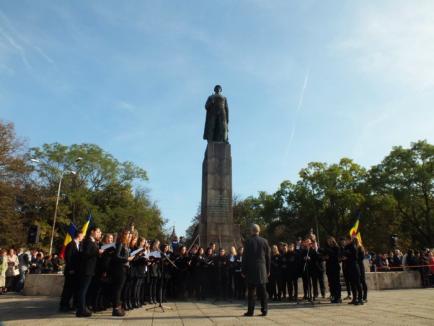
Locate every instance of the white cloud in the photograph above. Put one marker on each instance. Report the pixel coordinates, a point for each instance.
(294, 119)
(126, 106)
(14, 43)
(393, 42)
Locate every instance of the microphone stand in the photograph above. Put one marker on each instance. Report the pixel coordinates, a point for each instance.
(309, 284)
(162, 280)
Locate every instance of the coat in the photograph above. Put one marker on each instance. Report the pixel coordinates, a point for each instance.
(89, 253)
(72, 263)
(256, 260)
(3, 268)
(212, 106)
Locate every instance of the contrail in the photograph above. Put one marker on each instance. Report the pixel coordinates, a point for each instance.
(298, 109)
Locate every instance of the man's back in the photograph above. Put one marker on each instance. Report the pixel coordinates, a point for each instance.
(256, 260)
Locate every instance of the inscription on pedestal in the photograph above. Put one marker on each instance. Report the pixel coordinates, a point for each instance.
(216, 223)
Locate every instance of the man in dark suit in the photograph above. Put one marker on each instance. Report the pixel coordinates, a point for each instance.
(71, 270)
(89, 253)
(256, 269)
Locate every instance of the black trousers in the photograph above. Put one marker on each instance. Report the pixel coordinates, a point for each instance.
(318, 278)
(307, 285)
(293, 287)
(240, 286)
(69, 291)
(260, 291)
(356, 285)
(153, 289)
(334, 283)
(118, 282)
(283, 284)
(85, 281)
(346, 279)
(363, 282)
(273, 284)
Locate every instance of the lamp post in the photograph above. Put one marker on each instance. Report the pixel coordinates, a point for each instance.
(57, 199)
(56, 207)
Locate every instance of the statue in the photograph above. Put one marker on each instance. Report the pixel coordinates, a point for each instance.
(217, 117)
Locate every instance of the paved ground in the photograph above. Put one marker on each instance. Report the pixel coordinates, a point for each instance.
(394, 307)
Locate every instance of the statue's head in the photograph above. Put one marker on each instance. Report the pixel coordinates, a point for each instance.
(217, 89)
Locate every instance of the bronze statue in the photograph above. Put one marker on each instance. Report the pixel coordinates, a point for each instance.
(217, 117)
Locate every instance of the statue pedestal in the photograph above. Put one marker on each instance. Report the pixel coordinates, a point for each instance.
(216, 222)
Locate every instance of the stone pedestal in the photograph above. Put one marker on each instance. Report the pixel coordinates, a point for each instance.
(216, 222)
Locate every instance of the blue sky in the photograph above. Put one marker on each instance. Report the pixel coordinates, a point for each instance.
(305, 81)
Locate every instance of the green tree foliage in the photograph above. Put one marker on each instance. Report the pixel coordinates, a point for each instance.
(395, 196)
(112, 191)
(407, 176)
(97, 183)
(13, 176)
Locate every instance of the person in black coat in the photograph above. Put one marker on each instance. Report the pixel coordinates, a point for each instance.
(154, 271)
(332, 255)
(351, 258)
(317, 271)
(222, 273)
(182, 262)
(283, 267)
(71, 273)
(239, 281)
(256, 270)
(360, 258)
(119, 271)
(345, 269)
(89, 253)
(275, 274)
(294, 268)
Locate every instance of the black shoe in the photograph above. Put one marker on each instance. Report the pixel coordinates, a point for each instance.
(248, 314)
(360, 302)
(118, 312)
(264, 313)
(83, 314)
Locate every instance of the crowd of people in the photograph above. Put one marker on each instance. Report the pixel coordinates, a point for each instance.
(14, 265)
(125, 273)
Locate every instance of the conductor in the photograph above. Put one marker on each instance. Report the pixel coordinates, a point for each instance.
(256, 269)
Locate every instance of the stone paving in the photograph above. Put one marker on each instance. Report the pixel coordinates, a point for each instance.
(393, 307)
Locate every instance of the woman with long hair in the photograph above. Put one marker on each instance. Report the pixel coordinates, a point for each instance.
(333, 269)
(119, 271)
(351, 257)
(360, 257)
(138, 266)
(154, 270)
(275, 274)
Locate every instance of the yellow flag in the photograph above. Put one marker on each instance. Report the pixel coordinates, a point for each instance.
(86, 225)
(355, 229)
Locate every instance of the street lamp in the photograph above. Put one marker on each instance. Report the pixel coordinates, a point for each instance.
(57, 205)
(78, 159)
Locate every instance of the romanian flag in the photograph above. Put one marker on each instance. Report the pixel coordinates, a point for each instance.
(86, 225)
(70, 234)
(354, 231)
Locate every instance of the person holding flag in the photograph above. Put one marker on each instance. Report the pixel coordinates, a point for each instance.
(70, 235)
(70, 253)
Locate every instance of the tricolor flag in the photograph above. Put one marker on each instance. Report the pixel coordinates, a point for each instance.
(70, 234)
(354, 231)
(86, 225)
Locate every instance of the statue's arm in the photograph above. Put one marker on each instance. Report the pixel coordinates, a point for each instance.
(208, 103)
(227, 110)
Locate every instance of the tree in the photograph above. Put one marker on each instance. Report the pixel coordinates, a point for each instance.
(13, 177)
(408, 176)
(100, 185)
